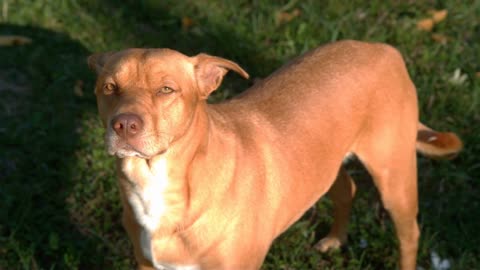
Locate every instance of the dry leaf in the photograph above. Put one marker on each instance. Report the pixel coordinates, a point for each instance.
(439, 15)
(436, 17)
(431, 101)
(425, 25)
(440, 38)
(285, 17)
(458, 78)
(14, 40)
(187, 22)
(361, 15)
(477, 74)
(78, 88)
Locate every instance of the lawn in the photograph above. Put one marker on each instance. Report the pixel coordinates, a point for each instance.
(59, 205)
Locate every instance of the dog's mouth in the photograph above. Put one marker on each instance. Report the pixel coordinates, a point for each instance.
(143, 146)
(127, 150)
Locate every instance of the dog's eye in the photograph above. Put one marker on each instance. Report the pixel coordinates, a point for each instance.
(165, 90)
(109, 88)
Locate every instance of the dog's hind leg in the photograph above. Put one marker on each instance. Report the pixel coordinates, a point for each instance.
(341, 193)
(393, 167)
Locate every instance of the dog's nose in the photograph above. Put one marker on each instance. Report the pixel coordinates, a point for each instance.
(127, 125)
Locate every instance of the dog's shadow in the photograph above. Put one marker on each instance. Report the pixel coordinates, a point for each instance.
(42, 85)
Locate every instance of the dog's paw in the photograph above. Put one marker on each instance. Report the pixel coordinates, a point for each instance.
(329, 243)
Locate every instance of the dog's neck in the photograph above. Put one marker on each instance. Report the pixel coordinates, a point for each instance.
(197, 161)
(158, 190)
(192, 163)
(185, 154)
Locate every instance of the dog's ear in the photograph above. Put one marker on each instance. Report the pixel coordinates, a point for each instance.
(96, 61)
(209, 72)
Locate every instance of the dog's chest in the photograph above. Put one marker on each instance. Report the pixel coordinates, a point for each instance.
(146, 196)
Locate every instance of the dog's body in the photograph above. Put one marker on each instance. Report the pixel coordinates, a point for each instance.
(211, 186)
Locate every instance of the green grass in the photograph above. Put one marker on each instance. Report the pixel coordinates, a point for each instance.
(59, 205)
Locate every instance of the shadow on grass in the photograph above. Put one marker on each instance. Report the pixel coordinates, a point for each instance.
(38, 133)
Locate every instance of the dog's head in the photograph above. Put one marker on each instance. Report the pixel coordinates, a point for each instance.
(147, 98)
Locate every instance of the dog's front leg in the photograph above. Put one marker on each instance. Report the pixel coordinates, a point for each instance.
(133, 231)
(341, 193)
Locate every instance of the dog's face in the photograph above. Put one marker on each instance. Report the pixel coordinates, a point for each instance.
(147, 98)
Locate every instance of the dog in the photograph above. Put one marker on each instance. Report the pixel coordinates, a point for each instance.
(210, 186)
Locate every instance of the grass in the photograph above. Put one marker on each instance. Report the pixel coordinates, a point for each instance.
(59, 205)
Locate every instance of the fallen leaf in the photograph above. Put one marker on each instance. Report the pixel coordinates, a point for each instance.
(285, 17)
(436, 17)
(425, 24)
(440, 38)
(458, 78)
(438, 263)
(477, 74)
(361, 15)
(14, 40)
(439, 15)
(431, 101)
(78, 88)
(187, 23)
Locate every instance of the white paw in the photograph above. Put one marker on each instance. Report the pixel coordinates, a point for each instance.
(328, 243)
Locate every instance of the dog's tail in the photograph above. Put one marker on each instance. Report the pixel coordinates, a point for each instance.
(437, 145)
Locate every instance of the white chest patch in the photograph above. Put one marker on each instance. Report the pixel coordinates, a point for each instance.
(146, 196)
(146, 244)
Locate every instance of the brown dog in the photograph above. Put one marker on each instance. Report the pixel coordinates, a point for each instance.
(210, 186)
